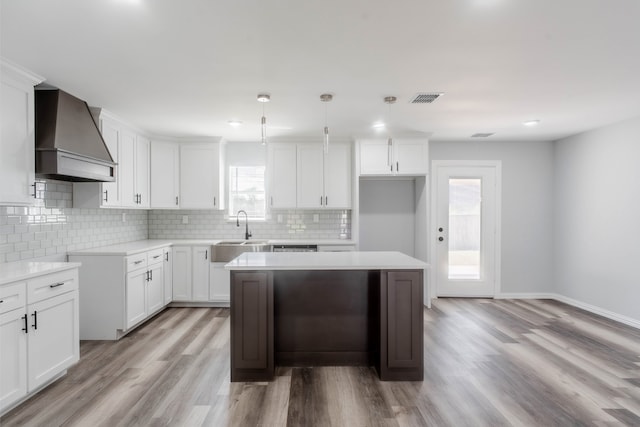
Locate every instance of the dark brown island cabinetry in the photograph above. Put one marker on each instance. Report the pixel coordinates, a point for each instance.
(327, 317)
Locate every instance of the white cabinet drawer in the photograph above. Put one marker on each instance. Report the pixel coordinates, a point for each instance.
(155, 256)
(13, 296)
(51, 285)
(135, 262)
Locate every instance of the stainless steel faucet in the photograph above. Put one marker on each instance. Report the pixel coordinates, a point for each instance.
(247, 234)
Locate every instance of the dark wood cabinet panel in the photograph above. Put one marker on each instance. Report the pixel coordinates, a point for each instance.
(401, 326)
(342, 317)
(251, 326)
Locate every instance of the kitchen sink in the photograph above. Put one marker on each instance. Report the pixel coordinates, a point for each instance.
(227, 250)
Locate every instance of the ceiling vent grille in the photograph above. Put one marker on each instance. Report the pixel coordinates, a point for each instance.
(425, 98)
(481, 135)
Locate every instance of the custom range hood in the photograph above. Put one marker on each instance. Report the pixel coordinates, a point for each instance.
(69, 146)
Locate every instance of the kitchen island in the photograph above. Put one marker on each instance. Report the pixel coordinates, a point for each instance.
(333, 308)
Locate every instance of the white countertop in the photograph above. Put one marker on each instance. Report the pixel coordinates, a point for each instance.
(132, 248)
(125, 249)
(325, 261)
(24, 270)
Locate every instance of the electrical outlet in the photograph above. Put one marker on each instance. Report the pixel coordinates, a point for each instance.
(316, 218)
(185, 219)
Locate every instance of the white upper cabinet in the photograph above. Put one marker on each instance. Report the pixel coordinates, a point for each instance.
(130, 151)
(302, 176)
(310, 176)
(375, 157)
(110, 191)
(141, 171)
(281, 166)
(17, 150)
(165, 174)
(400, 157)
(134, 169)
(201, 180)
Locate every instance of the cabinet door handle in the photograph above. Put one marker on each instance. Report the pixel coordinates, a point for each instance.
(150, 275)
(106, 196)
(35, 190)
(26, 325)
(35, 320)
(320, 200)
(214, 200)
(166, 256)
(156, 257)
(326, 200)
(140, 198)
(206, 254)
(1, 301)
(176, 200)
(56, 285)
(397, 166)
(138, 262)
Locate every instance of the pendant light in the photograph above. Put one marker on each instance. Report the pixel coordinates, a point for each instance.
(263, 98)
(326, 97)
(389, 100)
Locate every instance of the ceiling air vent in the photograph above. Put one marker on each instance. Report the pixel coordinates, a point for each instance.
(425, 98)
(481, 135)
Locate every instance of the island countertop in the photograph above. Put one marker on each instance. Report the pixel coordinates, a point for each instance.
(325, 261)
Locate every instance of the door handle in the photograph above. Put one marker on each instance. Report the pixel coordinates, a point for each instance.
(35, 320)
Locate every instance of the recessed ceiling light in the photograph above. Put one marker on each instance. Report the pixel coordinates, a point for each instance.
(378, 125)
(531, 122)
(234, 123)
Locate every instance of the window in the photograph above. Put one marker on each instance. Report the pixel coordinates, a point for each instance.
(246, 191)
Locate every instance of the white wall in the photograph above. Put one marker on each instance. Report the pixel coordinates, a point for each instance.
(527, 207)
(597, 218)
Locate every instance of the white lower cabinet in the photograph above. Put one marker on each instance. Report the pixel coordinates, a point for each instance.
(136, 289)
(191, 273)
(119, 292)
(167, 272)
(39, 333)
(219, 283)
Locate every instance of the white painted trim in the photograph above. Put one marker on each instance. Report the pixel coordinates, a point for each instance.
(635, 323)
(497, 164)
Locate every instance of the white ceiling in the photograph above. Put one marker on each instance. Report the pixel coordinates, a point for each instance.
(185, 68)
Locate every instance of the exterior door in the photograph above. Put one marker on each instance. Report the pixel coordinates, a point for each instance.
(466, 228)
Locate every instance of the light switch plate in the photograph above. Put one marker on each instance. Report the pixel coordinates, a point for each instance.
(185, 219)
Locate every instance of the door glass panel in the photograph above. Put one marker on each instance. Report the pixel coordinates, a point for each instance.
(464, 228)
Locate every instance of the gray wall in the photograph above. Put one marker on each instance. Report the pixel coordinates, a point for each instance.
(527, 207)
(597, 218)
(387, 216)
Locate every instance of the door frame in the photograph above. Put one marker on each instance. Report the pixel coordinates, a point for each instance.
(435, 166)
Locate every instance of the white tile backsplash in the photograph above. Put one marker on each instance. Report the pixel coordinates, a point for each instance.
(52, 227)
(296, 224)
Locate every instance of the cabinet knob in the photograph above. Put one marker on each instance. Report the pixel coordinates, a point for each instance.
(440, 239)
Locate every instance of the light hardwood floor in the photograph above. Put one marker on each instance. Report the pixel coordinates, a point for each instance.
(487, 363)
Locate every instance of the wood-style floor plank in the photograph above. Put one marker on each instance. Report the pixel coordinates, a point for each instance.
(487, 363)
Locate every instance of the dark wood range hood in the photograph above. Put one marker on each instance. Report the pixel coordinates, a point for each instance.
(69, 146)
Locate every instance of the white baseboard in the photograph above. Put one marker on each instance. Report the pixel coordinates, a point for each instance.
(570, 301)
